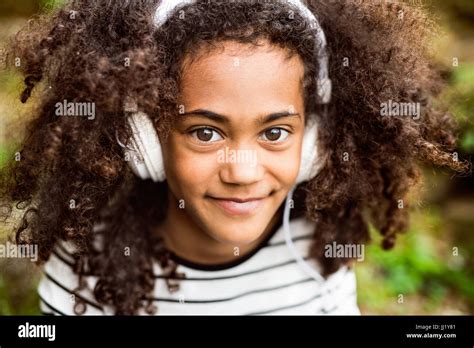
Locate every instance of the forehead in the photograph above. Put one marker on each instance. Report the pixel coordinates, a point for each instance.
(236, 77)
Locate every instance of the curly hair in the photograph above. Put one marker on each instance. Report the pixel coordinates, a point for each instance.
(106, 51)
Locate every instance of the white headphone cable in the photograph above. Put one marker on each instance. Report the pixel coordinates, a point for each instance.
(289, 242)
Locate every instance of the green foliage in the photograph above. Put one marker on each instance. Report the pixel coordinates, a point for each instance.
(12, 303)
(52, 4)
(3, 156)
(460, 95)
(420, 266)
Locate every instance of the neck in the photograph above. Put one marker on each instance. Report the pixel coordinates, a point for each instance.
(187, 240)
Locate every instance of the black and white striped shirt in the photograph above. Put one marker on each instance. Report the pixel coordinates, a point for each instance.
(268, 282)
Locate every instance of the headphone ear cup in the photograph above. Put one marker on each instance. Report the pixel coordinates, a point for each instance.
(310, 161)
(136, 163)
(146, 158)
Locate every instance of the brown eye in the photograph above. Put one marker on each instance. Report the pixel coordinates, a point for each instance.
(207, 135)
(204, 134)
(275, 134)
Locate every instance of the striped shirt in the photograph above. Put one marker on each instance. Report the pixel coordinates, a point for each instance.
(269, 281)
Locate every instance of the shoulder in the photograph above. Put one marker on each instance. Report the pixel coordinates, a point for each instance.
(337, 293)
(341, 290)
(58, 287)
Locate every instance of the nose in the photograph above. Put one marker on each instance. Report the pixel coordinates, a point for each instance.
(240, 166)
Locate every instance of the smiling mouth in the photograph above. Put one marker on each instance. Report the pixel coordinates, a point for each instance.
(239, 206)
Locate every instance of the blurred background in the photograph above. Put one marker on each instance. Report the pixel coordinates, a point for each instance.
(431, 269)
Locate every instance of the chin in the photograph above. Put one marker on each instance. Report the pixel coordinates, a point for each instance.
(237, 233)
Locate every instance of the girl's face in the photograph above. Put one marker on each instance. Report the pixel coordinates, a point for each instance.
(234, 152)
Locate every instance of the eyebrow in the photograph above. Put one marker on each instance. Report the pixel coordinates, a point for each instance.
(224, 119)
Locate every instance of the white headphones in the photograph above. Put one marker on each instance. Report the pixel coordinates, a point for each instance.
(145, 155)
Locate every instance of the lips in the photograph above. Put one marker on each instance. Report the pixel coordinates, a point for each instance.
(238, 206)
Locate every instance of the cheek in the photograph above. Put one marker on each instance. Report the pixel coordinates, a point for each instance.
(284, 166)
(187, 171)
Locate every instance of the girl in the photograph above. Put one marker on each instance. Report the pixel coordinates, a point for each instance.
(157, 175)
